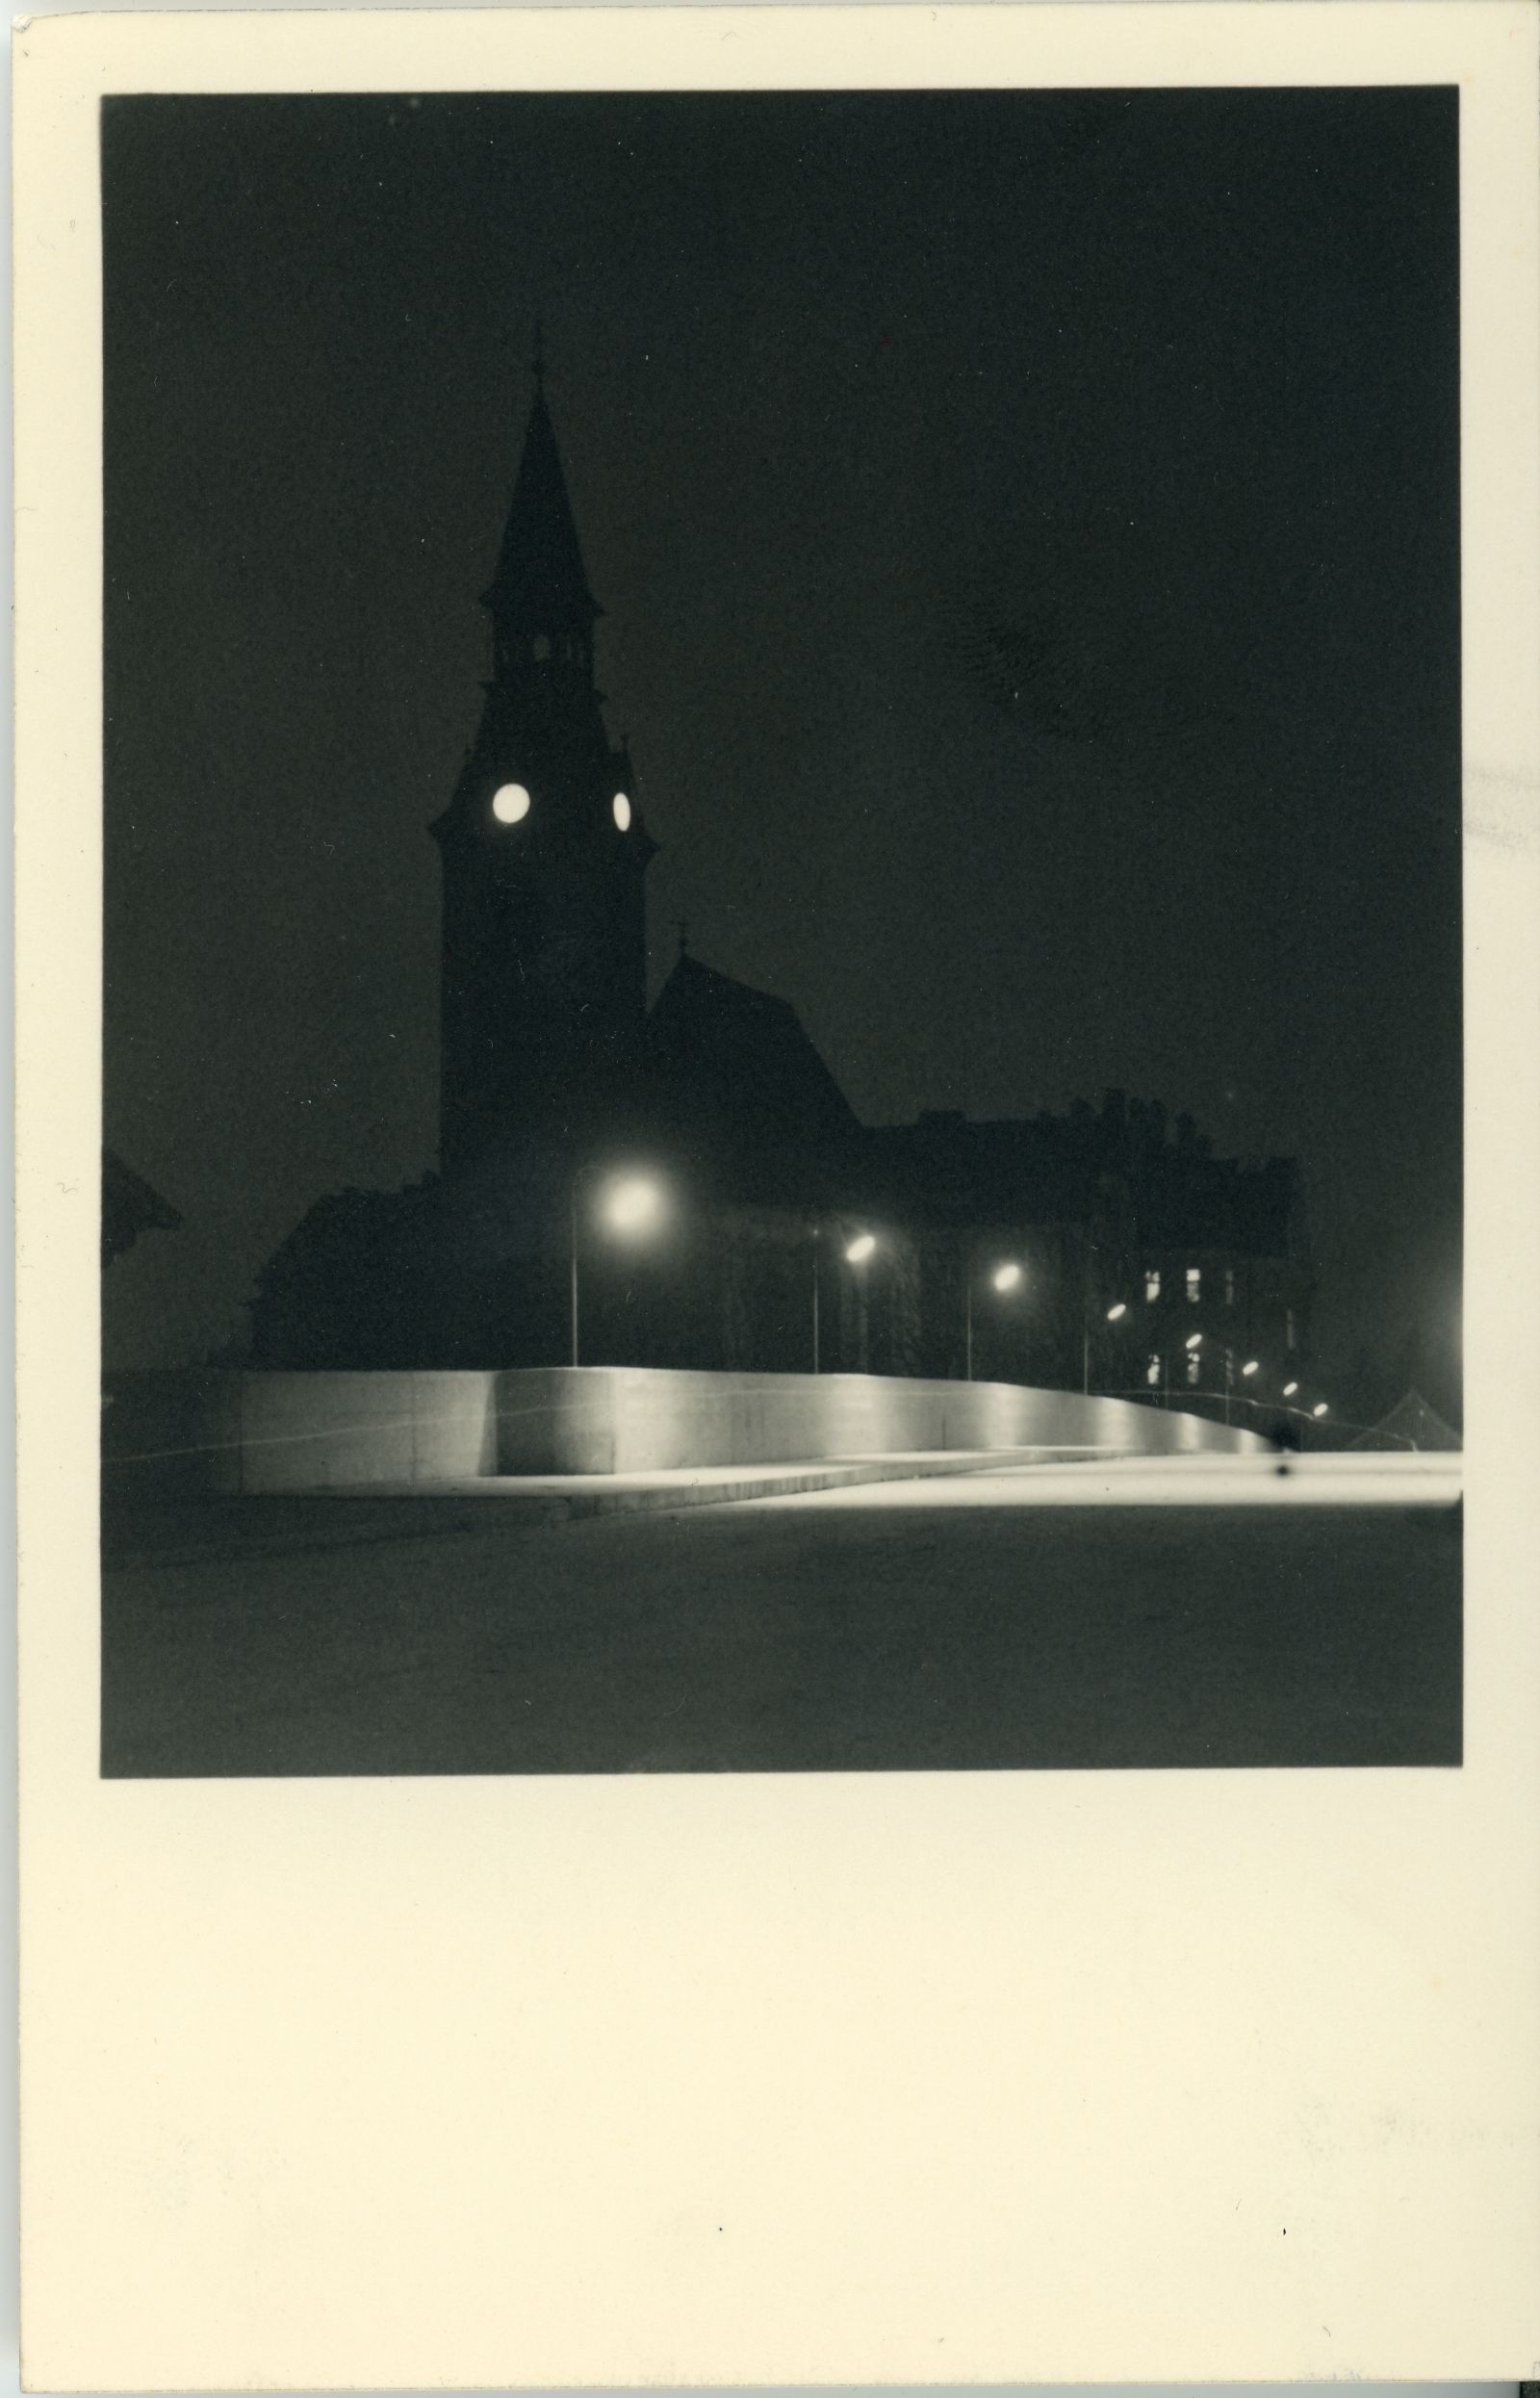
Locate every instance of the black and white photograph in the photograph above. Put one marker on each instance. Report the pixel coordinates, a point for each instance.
(781, 931)
(777, 1224)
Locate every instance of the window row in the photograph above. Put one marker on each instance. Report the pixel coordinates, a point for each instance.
(1155, 1364)
(1193, 1282)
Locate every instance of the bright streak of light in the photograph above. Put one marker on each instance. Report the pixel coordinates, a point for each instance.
(1396, 1479)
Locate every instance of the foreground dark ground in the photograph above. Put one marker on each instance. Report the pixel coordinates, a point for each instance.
(980, 1623)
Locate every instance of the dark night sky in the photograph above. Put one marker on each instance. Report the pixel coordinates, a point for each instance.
(1165, 384)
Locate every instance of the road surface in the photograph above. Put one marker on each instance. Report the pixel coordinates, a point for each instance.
(1163, 1613)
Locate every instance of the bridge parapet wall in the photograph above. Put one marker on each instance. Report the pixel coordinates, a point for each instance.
(232, 1430)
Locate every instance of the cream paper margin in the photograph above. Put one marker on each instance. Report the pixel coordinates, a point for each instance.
(841, 2080)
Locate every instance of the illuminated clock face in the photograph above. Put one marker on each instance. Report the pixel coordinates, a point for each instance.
(621, 810)
(511, 803)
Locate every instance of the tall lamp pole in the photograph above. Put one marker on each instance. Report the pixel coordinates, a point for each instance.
(1085, 1321)
(1005, 1278)
(633, 1205)
(571, 1227)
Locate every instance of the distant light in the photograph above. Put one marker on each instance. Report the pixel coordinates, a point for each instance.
(1289, 1389)
(1320, 1408)
(861, 1247)
(1006, 1277)
(634, 1205)
(1194, 1340)
(510, 804)
(1115, 1314)
(620, 808)
(1250, 1366)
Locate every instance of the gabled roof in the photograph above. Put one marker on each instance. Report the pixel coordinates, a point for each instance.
(1411, 1424)
(722, 1050)
(540, 564)
(129, 1206)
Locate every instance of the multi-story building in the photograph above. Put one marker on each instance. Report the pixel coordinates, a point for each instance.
(1086, 1249)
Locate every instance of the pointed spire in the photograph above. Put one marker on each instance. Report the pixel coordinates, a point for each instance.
(540, 567)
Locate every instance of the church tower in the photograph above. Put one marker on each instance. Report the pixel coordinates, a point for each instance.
(543, 849)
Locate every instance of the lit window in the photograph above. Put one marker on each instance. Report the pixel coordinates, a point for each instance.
(1152, 1284)
(1152, 1372)
(1229, 1286)
(1193, 1366)
(1194, 1282)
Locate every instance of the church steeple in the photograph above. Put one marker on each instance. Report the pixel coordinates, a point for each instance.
(543, 845)
(540, 583)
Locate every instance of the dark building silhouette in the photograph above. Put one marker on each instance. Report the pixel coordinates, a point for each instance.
(543, 851)
(554, 1070)
(129, 1206)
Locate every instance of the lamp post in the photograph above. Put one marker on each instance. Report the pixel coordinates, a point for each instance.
(857, 1250)
(1005, 1278)
(634, 1204)
(1115, 1315)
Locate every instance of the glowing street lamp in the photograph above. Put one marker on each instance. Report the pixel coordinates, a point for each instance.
(1320, 1408)
(1194, 1340)
(1289, 1389)
(856, 1253)
(1114, 1314)
(632, 1205)
(1250, 1366)
(1005, 1279)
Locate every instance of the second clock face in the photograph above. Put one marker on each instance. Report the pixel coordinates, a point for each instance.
(620, 810)
(511, 803)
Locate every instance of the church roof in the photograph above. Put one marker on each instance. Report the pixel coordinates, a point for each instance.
(540, 564)
(129, 1206)
(740, 1058)
(1411, 1424)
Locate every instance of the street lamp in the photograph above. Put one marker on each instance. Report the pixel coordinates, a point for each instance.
(1320, 1408)
(1115, 1315)
(1289, 1389)
(1194, 1340)
(855, 1251)
(632, 1205)
(1004, 1279)
(1250, 1366)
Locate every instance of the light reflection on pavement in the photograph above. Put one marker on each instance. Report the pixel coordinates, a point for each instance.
(1331, 1478)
